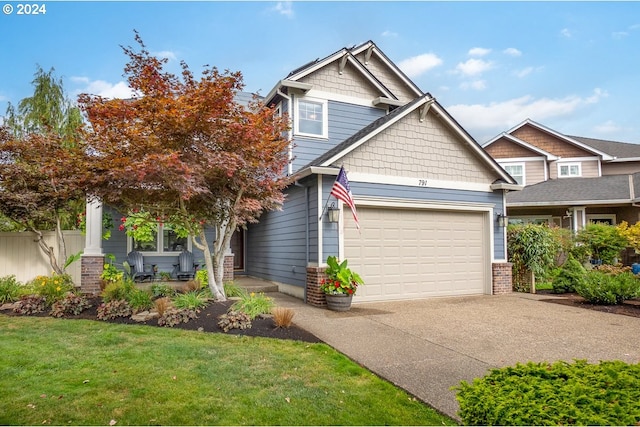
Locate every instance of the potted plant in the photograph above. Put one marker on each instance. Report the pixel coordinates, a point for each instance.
(340, 285)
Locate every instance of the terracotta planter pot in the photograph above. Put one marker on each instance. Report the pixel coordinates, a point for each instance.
(339, 302)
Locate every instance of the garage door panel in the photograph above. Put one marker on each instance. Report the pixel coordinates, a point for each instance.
(403, 254)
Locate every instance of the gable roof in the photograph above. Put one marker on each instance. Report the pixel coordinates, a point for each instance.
(609, 189)
(424, 104)
(620, 151)
(565, 138)
(347, 55)
(522, 143)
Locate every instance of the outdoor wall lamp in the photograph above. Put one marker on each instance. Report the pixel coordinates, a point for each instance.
(333, 213)
(503, 220)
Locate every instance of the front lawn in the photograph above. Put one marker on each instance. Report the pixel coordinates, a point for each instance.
(77, 372)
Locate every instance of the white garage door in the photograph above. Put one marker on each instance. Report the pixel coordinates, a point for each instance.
(405, 254)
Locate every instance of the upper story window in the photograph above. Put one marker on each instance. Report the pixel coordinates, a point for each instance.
(516, 170)
(311, 117)
(166, 242)
(567, 170)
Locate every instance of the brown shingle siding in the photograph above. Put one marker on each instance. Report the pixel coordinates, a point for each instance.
(549, 143)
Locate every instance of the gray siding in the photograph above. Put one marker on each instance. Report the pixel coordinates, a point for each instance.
(344, 120)
(276, 245)
(330, 231)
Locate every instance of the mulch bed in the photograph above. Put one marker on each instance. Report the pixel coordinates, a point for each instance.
(628, 308)
(207, 321)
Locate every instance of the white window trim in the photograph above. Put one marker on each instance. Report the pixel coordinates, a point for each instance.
(569, 165)
(160, 245)
(325, 118)
(524, 170)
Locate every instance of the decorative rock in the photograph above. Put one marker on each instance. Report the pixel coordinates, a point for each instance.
(144, 316)
(8, 306)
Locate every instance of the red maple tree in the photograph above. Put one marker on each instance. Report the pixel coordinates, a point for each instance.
(182, 148)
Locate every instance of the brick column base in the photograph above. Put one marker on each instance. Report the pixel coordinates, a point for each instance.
(227, 275)
(502, 278)
(90, 272)
(315, 296)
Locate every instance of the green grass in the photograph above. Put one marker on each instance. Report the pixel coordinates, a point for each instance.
(76, 372)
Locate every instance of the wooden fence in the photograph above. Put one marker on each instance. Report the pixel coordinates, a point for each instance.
(21, 256)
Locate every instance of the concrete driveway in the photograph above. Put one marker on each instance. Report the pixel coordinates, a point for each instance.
(427, 346)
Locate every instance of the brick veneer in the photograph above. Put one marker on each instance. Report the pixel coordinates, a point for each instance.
(501, 278)
(315, 296)
(227, 275)
(90, 272)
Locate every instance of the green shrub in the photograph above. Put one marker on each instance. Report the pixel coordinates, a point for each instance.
(30, 304)
(233, 290)
(110, 274)
(253, 304)
(52, 288)
(9, 289)
(191, 301)
(553, 394)
(159, 290)
(203, 277)
(570, 274)
(139, 300)
(119, 290)
(603, 288)
(603, 241)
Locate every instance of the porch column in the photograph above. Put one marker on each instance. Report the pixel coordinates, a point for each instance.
(92, 261)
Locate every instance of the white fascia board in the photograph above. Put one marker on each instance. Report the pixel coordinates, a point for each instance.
(320, 64)
(375, 132)
(381, 100)
(505, 186)
(286, 83)
(314, 170)
(471, 143)
(550, 157)
(418, 182)
(367, 74)
(624, 159)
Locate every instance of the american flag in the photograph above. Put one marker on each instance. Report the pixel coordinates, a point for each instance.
(342, 191)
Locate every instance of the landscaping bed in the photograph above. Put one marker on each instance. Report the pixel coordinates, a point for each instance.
(627, 308)
(206, 321)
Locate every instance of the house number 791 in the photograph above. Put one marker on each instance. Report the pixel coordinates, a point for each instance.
(422, 183)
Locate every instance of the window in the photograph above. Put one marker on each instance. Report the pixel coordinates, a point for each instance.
(311, 117)
(609, 219)
(567, 170)
(166, 242)
(516, 170)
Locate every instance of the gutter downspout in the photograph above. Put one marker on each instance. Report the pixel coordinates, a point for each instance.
(289, 132)
(306, 227)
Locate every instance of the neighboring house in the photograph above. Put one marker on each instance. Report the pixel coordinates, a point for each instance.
(569, 180)
(428, 196)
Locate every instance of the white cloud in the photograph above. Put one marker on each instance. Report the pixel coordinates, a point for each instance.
(479, 51)
(565, 32)
(166, 54)
(102, 88)
(524, 72)
(487, 120)
(618, 35)
(284, 8)
(389, 34)
(608, 127)
(420, 64)
(474, 85)
(473, 67)
(512, 51)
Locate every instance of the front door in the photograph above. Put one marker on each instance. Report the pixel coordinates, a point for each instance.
(237, 247)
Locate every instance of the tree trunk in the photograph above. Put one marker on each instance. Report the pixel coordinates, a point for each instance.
(203, 245)
(48, 251)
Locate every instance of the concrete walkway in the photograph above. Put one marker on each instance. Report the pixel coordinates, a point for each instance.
(428, 346)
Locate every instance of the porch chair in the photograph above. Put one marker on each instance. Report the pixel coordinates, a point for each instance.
(138, 271)
(186, 268)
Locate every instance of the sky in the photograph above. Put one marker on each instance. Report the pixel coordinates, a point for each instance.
(571, 66)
